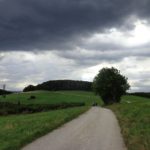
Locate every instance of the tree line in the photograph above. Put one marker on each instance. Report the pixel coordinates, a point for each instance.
(142, 94)
(2, 92)
(56, 85)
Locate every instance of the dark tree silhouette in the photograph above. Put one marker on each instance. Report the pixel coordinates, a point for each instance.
(4, 92)
(29, 88)
(56, 85)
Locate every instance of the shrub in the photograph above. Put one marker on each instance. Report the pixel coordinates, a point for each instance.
(32, 97)
(10, 108)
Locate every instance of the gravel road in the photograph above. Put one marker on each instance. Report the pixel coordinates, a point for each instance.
(97, 129)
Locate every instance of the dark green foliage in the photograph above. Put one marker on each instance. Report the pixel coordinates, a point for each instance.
(3, 92)
(57, 85)
(29, 88)
(142, 94)
(32, 97)
(7, 108)
(110, 85)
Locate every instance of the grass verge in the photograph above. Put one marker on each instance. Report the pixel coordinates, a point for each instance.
(18, 130)
(134, 117)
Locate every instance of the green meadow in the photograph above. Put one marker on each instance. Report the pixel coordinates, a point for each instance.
(48, 97)
(18, 130)
(133, 114)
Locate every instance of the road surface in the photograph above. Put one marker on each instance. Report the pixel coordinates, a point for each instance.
(97, 129)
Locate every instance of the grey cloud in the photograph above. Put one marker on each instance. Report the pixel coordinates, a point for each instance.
(86, 57)
(141, 85)
(55, 24)
(1, 57)
(19, 70)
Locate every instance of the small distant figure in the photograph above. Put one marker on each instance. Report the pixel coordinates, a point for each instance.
(94, 104)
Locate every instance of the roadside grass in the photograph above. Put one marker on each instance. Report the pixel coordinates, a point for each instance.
(134, 117)
(52, 97)
(18, 130)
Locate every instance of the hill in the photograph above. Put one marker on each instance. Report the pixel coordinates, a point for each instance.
(57, 85)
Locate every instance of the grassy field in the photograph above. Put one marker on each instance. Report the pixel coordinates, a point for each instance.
(46, 97)
(134, 116)
(16, 131)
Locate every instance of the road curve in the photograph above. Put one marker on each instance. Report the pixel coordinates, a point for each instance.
(97, 129)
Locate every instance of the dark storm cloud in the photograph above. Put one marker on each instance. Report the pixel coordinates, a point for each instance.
(59, 24)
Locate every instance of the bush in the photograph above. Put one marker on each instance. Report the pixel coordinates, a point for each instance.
(32, 97)
(10, 108)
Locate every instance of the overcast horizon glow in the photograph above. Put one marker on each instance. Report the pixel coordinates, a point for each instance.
(50, 40)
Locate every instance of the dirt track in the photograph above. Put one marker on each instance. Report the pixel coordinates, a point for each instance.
(97, 129)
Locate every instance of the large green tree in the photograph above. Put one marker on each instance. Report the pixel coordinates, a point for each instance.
(110, 85)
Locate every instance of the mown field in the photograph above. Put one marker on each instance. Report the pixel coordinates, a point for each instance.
(134, 117)
(133, 114)
(18, 130)
(46, 97)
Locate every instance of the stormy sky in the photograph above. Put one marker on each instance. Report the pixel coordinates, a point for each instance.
(44, 40)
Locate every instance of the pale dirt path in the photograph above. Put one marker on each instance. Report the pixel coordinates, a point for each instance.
(97, 129)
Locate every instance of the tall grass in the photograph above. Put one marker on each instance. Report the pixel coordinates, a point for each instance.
(134, 117)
